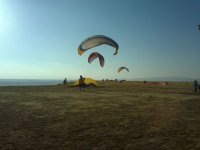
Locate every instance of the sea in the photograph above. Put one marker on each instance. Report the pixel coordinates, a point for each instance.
(28, 82)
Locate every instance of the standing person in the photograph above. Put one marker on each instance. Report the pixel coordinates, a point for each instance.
(199, 87)
(65, 81)
(81, 83)
(195, 87)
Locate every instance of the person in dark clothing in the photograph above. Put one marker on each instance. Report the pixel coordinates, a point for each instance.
(65, 81)
(81, 83)
(195, 87)
(199, 87)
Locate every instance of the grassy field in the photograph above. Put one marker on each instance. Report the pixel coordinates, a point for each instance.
(128, 116)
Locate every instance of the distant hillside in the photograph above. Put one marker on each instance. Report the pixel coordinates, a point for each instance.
(173, 79)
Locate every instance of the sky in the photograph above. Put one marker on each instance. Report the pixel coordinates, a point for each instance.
(157, 38)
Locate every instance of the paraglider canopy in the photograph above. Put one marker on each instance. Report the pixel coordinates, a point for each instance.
(122, 68)
(95, 55)
(96, 40)
(87, 81)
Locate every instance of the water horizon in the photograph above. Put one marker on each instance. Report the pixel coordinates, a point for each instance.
(29, 82)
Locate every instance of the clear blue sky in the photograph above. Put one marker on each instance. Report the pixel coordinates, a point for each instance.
(157, 38)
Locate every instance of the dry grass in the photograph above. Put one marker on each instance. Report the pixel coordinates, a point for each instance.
(113, 116)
